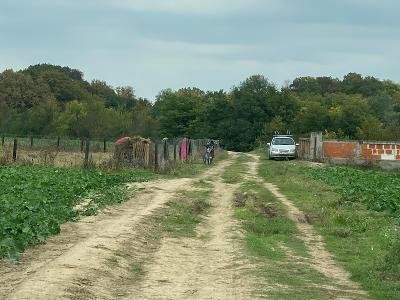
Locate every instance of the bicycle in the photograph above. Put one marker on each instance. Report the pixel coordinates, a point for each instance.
(208, 156)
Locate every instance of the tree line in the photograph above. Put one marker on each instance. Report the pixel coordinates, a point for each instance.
(53, 100)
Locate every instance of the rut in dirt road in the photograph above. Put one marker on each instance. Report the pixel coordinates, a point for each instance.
(321, 259)
(210, 268)
(74, 264)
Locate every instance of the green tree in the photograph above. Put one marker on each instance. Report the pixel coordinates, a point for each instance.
(177, 111)
(70, 121)
(18, 91)
(312, 116)
(40, 119)
(252, 108)
(371, 128)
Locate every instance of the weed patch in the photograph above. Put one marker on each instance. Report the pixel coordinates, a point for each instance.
(234, 172)
(183, 214)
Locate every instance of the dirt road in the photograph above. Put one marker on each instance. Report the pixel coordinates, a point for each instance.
(92, 258)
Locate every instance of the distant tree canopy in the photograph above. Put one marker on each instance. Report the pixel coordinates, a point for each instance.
(53, 100)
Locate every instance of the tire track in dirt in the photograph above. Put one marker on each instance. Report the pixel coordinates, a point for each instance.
(210, 268)
(321, 259)
(72, 264)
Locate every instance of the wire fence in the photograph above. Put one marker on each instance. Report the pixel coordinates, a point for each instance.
(57, 143)
(99, 152)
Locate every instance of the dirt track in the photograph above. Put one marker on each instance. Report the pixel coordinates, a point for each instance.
(321, 260)
(207, 268)
(76, 264)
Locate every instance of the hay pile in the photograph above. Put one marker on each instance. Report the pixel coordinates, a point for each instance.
(133, 151)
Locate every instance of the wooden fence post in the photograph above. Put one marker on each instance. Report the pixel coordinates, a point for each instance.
(104, 145)
(190, 147)
(15, 150)
(165, 149)
(86, 162)
(58, 143)
(81, 144)
(180, 150)
(175, 145)
(31, 141)
(156, 156)
(2, 140)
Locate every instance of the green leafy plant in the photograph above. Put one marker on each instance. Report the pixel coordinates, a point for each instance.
(35, 201)
(378, 190)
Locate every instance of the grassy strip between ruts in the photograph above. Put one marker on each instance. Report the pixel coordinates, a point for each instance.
(281, 257)
(35, 201)
(178, 218)
(234, 173)
(364, 241)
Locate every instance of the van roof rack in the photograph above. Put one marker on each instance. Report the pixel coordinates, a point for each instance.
(277, 133)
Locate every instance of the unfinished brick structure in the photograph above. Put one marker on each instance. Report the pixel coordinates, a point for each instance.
(361, 149)
(358, 152)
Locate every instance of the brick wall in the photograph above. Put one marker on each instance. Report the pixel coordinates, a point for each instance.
(381, 151)
(361, 149)
(339, 149)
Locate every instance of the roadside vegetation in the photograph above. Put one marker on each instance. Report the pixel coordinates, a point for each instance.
(355, 210)
(36, 200)
(378, 190)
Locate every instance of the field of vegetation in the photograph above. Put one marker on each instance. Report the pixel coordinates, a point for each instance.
(35, 201)
(378, 190)
(357, 213)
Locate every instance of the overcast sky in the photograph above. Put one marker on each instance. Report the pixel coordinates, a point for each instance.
(211, 44)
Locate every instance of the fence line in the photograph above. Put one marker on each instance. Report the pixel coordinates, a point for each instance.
(61, 151)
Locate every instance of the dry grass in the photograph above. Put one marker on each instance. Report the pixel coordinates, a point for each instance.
(53, 158)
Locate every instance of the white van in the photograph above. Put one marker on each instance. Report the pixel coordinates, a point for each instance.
(282, 146)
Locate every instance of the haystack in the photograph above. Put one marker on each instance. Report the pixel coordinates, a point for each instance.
(133, 151)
